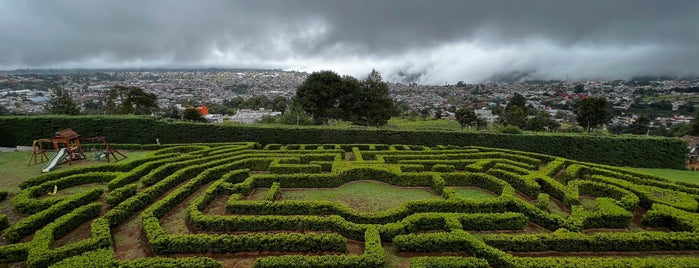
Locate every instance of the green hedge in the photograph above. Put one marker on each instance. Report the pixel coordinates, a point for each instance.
(615, 150)
(455, 241)
(565, 241)
(35, 221)
(607, 214)
(40, 253)
(105, 258)
(611, 262)
(374, 257)
(676, 219)
(448, 262)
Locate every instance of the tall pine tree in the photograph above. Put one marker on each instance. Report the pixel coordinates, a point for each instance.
(61, 102)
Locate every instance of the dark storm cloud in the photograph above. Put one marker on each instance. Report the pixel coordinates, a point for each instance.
(437, 41)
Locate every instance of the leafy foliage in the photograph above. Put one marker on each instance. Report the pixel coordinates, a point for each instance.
(326, 95)
(593, 112)
(61, 102)
(130, 100)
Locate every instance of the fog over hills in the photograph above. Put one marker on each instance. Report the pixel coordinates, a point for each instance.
(432, 42)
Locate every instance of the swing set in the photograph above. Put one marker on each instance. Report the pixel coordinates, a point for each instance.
(71, 141)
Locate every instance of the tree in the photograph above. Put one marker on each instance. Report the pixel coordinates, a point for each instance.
(192, 114)
(515, 112)
(639, 126)
(593, 112)
(467, 117)
(280, 104)
(319, 95)
(61, 102)
(325, 95)
(695, 126)
(130, 100)
(369, 103)
(542, 122)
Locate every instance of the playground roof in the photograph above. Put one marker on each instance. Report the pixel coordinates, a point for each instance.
(66, 134)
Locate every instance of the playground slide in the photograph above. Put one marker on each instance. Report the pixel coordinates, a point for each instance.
(55, 160)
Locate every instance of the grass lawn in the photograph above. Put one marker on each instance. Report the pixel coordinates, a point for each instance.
(401, 123)
(363, 196)
(14, 169)
(473, 193)
(671, 174)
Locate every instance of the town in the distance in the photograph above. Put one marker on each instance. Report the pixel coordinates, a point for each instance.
(663, 106)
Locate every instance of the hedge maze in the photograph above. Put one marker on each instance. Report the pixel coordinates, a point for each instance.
(190, 205)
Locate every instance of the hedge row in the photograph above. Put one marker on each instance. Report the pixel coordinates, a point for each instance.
(118, 195)
(649, 195)
(589, 169)
(105, 258)
(35, 221)
(454, 241)
(676, 219)
(613, 262)
(163, 243)
(374, 257)
(139, 201)
(26, 201)
(40, 253)
(274, 192)
(136, 173)
(448, 262)
(613, 150)
(625, 198)
(566, 241)
(607, 214)
(113, 167)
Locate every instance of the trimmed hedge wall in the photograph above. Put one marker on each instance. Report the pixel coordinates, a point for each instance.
(616, 150)
(563, 240)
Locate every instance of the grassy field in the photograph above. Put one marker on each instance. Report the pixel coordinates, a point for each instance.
(671, 174)
(14, 169)
(363, 196)
(401, 123)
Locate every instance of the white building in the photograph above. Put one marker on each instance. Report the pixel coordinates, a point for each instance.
(248, 116)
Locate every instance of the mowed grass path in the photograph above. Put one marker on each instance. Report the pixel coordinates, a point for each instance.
(363, 196)
(671, 174)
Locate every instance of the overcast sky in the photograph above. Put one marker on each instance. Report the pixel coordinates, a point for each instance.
(429, 41)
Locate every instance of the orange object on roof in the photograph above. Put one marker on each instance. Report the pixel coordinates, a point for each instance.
(203, 110)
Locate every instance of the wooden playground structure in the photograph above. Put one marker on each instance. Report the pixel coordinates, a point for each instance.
(71, 141)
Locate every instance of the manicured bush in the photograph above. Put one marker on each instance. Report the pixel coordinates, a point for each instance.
(120, 194)
(443, 168)
(566, 241)
(542, 202)
(35, 221)
(274, 192)
(676, 219)
(628, 150)
(448, 262)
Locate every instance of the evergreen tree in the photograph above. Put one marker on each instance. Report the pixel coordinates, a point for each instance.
(61, 102)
